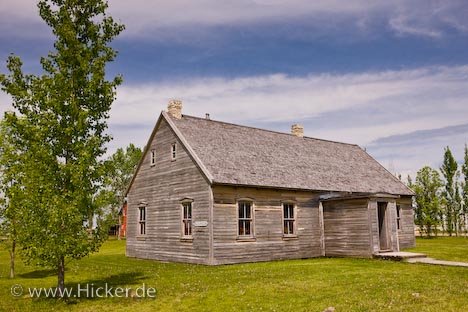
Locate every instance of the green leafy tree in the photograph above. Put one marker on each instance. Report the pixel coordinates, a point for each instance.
(427, 189)
(11, 196)
(449, 171)
(119, 171)
(458, 206)
(61, 120)
(465, 190)
(409, 181)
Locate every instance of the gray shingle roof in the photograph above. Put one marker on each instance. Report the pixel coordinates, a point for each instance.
(241, 155)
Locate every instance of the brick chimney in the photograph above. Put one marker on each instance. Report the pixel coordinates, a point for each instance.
(297, 130)
(174, 108)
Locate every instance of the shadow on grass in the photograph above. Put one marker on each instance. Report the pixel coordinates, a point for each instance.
(39, 274)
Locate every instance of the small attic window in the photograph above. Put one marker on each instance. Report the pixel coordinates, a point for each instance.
(153, 157)
(173, 151)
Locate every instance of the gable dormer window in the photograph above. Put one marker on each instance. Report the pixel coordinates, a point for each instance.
(153, 157)
(173, 151)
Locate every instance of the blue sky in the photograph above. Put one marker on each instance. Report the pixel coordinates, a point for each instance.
(391, 76)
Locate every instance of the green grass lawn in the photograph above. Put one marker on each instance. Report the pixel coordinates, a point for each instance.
(443, 248)
(298, 285)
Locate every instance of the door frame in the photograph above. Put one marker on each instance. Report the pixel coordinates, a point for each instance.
(383, 226)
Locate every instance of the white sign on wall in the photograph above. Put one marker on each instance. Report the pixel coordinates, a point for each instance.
(200, 223)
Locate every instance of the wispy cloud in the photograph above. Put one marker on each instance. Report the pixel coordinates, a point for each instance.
(358, 108)
(407, 153)
(426, 93)
(167, 19)
(420, 17)
(428, 18)
(392, 113)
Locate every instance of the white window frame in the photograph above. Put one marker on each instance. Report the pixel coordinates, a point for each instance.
(289, 219)
(142, 218)
(184, 220)
(173, 151)
(251, 219)
(153, 157)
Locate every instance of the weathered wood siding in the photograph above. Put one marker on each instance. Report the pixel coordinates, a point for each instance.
(406, 233)
(162, 187)
(269, 243)
(346, 228)
(374, 226)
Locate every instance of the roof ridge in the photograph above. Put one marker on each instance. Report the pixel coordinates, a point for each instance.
(267, 130)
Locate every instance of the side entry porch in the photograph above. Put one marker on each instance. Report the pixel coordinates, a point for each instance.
(360, 225)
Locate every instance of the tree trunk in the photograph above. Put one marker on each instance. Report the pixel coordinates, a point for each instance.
(466, 223)
(12, 259)
(118, 230)
(61, 276)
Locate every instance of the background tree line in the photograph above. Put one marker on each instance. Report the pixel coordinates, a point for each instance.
(441, 201)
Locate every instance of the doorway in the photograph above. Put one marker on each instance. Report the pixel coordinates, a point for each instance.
(383, 226)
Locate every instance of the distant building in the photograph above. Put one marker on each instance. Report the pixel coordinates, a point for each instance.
(212, 192)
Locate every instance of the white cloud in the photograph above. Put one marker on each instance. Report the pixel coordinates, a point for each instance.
(357, 108)
(420, 17)
(171, 18)
(409, 152)
(5, 103)
(435, 95)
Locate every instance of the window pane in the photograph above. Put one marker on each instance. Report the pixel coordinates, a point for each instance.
(153, 157)
(244, 211)
(142, 214)
(288, 227)
(187, 227)
(288, 211)
(247, 228)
